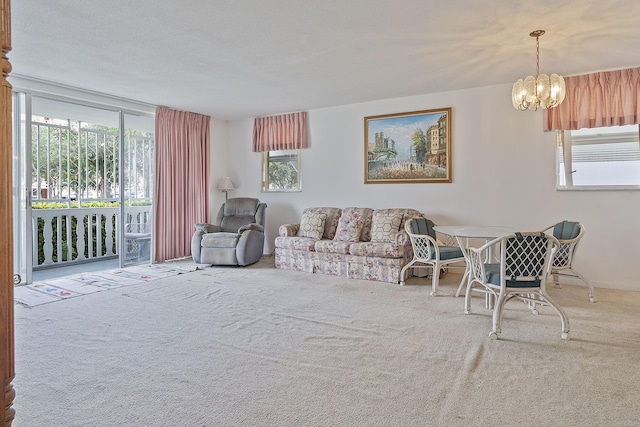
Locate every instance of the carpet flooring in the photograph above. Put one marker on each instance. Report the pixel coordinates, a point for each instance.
(52, 290)
(258, 346)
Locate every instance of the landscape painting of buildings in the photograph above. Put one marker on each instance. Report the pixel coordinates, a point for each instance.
(408, 147)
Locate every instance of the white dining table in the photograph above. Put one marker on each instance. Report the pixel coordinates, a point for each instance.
(464, 233)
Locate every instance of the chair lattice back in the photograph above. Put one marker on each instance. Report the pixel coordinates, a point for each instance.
(526, 255)
(422, 247)
(477, 265)
(568, 234)
(447, 240)
(563, 255)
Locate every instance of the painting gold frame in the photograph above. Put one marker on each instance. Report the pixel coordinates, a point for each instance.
(413, 147)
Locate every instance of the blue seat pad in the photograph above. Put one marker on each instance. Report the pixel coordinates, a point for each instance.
(492, 272)
(448, 252)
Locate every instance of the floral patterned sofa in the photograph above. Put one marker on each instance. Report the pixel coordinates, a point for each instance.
(359, 243)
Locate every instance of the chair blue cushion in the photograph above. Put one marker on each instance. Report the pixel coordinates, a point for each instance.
(448, 252)
(566, 230)
(423, 226)
(492, 272)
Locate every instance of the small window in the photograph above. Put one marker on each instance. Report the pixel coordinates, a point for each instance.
(606, 158)
(281, 170)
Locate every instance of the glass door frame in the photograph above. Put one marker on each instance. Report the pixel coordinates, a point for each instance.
(22, 231)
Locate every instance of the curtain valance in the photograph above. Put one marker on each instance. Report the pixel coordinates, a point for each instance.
(282, 132)
(609, 98)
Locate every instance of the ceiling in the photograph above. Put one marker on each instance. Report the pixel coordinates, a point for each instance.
(244, 58)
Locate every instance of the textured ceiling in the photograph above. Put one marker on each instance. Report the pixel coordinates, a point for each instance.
(244, 58)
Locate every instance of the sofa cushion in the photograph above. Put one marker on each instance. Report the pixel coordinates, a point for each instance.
(298, 243)
(406, 212)
(385, 226)
(332, 246)
(381, 249)
(351, 224)
(312, 225)
(330, 224)
(365, 235)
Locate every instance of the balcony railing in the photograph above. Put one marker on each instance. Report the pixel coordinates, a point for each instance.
(76, 235)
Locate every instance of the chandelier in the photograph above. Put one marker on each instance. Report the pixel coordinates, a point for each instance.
(539, 90)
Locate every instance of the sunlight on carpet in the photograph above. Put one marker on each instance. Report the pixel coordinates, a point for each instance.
(52, 290)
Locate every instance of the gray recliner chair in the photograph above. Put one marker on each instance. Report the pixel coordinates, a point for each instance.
(236, 238)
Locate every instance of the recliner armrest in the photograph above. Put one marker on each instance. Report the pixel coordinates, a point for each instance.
(253, 226)
(201, 230)
(207, 228)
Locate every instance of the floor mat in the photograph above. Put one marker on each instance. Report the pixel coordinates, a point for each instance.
(47, 291)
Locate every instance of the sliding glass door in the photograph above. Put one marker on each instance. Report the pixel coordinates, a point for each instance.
(85, 176)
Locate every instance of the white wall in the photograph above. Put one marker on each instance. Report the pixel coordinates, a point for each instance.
(503, 174)
(219, 164)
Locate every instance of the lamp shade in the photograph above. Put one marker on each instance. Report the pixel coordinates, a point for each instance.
(226, 184)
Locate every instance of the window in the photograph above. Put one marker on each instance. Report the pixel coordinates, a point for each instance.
(605, 158)
(281, 170)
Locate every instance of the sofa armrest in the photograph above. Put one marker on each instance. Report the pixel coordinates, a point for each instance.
(288, 230)
(402, 238)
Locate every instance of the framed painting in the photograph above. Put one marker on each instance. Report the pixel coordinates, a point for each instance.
(412, 147)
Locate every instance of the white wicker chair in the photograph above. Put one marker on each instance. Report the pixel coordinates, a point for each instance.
(525, 259)
(137, 238)
(568, 234)
(428, 252)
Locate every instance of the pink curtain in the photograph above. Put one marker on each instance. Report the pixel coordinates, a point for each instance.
(608, 98)
(181, 180)
(283, 132)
